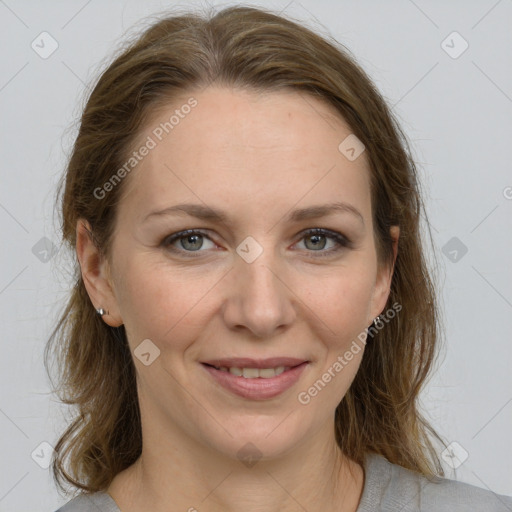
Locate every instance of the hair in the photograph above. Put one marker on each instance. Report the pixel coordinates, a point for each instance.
(253, 49)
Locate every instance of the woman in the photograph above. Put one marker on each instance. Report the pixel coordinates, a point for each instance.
(253, 318)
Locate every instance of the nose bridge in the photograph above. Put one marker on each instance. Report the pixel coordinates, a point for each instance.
(259, 301)
(260, 284)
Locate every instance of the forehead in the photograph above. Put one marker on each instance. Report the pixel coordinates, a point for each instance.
(244, 148)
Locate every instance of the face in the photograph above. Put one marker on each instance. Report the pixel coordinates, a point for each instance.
(262, 272)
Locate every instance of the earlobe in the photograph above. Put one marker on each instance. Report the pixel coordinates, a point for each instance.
(95, 275)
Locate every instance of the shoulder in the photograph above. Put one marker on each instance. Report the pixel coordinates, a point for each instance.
(91, 503)
(390, 487)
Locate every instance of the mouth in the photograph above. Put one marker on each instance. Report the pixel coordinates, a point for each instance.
(255, 368)
(256, 379)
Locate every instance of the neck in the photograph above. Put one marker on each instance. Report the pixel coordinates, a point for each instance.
(188, 476)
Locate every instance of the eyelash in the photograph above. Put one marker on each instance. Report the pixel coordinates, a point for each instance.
(342, 241)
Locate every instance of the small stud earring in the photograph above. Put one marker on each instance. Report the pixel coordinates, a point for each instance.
(101, 311)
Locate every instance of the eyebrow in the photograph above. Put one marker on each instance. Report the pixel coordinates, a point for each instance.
(207, 213)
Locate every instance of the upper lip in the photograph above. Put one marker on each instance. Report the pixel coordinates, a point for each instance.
(247, 362)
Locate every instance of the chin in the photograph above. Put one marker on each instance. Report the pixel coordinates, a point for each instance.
(262, 438)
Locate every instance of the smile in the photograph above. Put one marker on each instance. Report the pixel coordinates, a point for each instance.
(253, 383)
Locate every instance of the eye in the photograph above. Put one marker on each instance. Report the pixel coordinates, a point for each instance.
(316, 241)
(190, 240)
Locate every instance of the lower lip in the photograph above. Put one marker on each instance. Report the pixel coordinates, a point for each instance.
(258, 388)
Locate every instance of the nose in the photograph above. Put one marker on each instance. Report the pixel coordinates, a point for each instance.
(259, 299)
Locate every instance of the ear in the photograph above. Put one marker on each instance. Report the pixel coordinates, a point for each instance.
(384, 278)
(95, 274)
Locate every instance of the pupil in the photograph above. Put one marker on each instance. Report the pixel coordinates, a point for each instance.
(317, 240)
(191, 239)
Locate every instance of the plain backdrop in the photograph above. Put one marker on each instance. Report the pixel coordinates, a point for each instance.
(445, 69)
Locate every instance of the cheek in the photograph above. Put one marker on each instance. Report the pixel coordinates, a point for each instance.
(343, 306)
(342, 299)
(161, 303)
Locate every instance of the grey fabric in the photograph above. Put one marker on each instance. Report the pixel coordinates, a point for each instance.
(97, 502)
(392, 488)
(388, 488)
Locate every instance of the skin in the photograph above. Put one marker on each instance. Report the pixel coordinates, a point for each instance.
(255, 156)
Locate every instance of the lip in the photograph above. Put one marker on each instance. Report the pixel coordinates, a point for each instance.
(247, 362)
(258, 388)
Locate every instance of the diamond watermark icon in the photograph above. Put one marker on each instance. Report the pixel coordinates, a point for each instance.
(146, 352)
(249, 249)
(351, 147)
(454, 249)
(42, 455)
(249, 455)
(454, 45)
(454, 455)
(44, 250)
(44, 45)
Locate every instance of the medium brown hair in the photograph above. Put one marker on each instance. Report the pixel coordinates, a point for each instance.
(254, 49)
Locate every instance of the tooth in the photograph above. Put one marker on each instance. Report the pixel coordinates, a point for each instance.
(250, 373)
(254, 373)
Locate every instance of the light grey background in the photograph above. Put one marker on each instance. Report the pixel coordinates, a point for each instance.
(456, 111)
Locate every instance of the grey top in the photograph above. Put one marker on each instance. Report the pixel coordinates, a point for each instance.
(387, 488)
